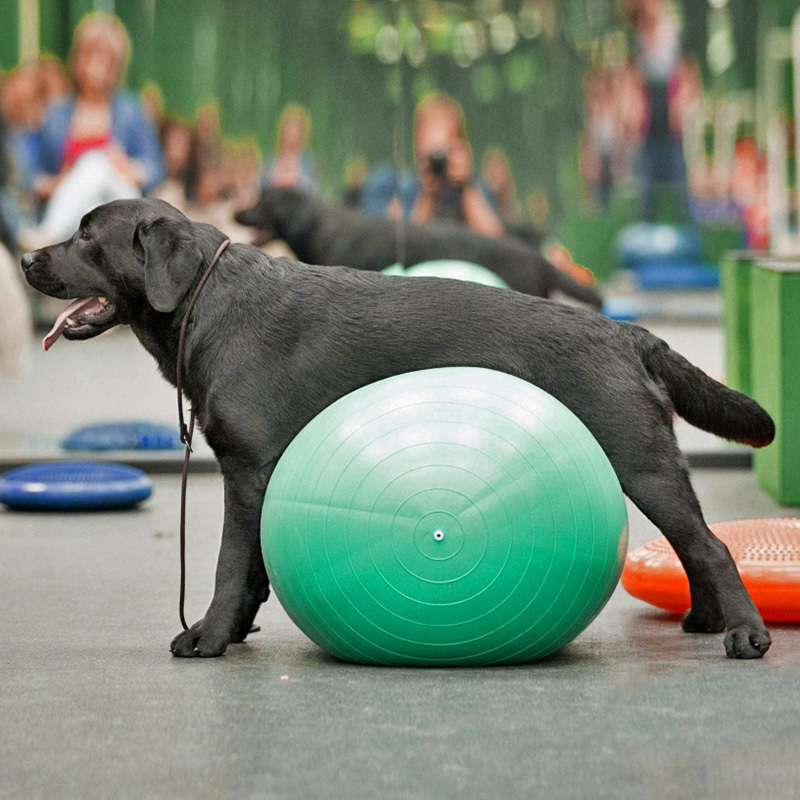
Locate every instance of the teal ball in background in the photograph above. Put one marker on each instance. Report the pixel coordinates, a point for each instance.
(454, 516)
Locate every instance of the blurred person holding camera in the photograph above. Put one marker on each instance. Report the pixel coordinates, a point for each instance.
(446, 189)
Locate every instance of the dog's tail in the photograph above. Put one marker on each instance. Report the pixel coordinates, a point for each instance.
(704, 402)
(565, 283)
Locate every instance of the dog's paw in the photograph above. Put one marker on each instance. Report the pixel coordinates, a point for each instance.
(747, 641)
(240, 636)
(705, 620)
(197, 643)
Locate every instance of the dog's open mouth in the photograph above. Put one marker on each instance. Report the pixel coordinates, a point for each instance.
(83, 319)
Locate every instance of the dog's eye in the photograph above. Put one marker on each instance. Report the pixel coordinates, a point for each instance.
(84, 236)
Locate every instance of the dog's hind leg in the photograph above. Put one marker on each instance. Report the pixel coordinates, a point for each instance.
(657, 481)
(240, 586)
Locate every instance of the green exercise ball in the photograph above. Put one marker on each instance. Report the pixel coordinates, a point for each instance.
(459, 270)
(455, 516)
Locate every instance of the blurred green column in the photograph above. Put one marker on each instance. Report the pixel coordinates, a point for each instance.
(9, 34)
(186, 46)
(719, 239)
(138, 17)
(57, 21)
(776, 378)
(735, 284)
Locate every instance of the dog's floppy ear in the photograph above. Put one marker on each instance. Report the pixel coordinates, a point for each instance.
(171, 260)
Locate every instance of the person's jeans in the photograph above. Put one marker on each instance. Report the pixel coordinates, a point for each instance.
(662, 162)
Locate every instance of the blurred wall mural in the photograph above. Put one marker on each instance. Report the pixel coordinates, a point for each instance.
(529, 76)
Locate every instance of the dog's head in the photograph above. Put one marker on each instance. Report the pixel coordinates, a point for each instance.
(275, 213)
(125, 255)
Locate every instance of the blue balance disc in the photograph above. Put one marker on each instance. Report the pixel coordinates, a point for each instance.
(124, 436)
(74, 486)
(643, 242)
(622, 309)
(676, 275)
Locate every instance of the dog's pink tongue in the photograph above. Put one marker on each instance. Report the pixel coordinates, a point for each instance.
(76, 305)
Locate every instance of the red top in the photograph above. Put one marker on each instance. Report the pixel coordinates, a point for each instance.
(75, 148)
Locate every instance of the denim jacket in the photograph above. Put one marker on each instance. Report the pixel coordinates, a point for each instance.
(131, 129)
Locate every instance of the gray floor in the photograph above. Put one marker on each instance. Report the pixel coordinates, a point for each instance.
(93, 705)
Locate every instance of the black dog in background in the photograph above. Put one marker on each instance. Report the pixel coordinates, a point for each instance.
(271, 343)
(320, 233)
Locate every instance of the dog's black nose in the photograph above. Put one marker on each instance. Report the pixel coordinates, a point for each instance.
(27, 261)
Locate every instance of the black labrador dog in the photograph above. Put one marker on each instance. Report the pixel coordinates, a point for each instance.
(272, 342)
(329, 235)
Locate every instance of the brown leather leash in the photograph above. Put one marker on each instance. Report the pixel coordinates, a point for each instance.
(188, 432)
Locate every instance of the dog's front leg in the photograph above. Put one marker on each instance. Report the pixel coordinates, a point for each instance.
(241, 583)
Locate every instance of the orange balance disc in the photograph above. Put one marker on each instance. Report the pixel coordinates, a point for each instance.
(767, 552)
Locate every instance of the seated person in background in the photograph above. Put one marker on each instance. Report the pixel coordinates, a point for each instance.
(245, 168)
(177, 143)
(500, 183)
(25, 95)
(8, 209)
(204, 180)
(15, 312)
(153, 105)
(23, 104)
(385, 192)
(355, 174)
(293, 164)
(53, 79)
(446, 190)
(98, 145)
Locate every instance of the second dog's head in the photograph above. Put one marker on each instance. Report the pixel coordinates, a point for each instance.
(126, 256)
(279, 211)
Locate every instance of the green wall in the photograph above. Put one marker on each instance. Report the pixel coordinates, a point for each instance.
(9, 34)
(252, 57)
